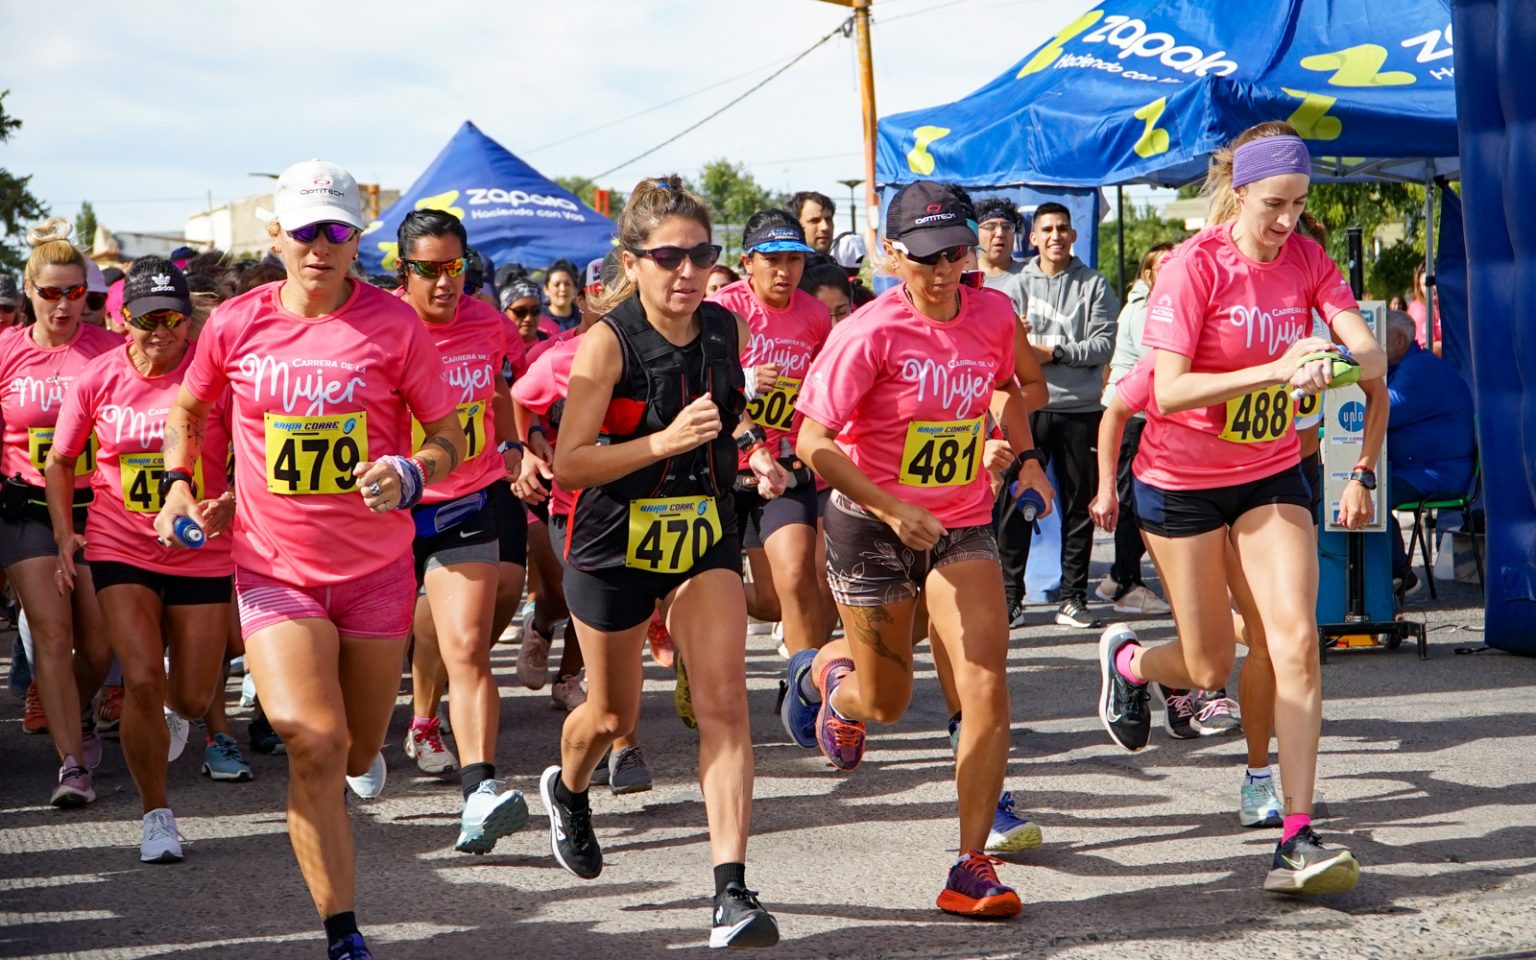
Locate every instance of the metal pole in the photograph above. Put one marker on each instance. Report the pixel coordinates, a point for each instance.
(853, 203)
(1120, 234)
(867, 95)
(1429, 255)
(1354, 562)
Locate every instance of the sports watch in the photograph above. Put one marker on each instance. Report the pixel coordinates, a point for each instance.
(169, 477)
(1365, 477)
(1058, 354)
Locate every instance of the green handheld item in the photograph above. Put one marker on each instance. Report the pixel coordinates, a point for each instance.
(1346, 370)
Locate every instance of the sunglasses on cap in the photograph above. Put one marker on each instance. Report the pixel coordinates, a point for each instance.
(671, 258)
(72, 292)
(432, 269)
(170, 319)
(334, 232)
(956, 254)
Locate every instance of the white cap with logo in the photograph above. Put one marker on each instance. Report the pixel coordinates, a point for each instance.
(313, 191)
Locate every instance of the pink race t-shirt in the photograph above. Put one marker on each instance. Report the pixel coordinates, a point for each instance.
(790, 337)
(546, 383)
(126, 411)
(33, 384)
(313, 398)
(909, 398)
(473, 348)
(1134, 389)
(536, 350)
(1226, 312)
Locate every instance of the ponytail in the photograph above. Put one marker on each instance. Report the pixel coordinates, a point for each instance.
(653, 201)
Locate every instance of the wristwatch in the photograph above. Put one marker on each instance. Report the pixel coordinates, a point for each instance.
(169, 477)
(1058, 354)
(751, 438)
(506, 445)
(1365, 477)
(1033, 453)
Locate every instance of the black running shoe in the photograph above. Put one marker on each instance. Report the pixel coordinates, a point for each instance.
(1303, 867)
(1178, 712)
(1016, 617)
(264, 739)
(571, 839)
(1122, 704)
(740, 921)
(1073, 612)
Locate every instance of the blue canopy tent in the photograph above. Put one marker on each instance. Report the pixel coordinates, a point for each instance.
(510, 210)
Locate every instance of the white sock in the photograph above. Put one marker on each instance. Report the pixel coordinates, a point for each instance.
(1258, 773)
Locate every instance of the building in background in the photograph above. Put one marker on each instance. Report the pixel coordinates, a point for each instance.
(234, 227)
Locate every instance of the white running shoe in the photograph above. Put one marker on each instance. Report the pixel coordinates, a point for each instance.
(424, 744)
(179, 728)
(778, 637)
(248, 691)
(370, 784)
(1141, 600)
(533, 656)
(162, 841)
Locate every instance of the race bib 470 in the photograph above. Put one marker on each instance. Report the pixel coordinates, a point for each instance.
(141, 474)
(308, 455)
(670, 535)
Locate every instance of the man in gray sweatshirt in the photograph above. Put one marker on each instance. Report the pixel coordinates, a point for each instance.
(1072, 317)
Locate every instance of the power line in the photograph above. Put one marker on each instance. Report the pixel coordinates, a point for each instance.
(918, 13)
(844, 28)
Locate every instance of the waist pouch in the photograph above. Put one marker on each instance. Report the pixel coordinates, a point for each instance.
(433, 519)
(21, 501)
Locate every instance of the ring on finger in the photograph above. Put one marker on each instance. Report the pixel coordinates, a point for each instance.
(373, 489)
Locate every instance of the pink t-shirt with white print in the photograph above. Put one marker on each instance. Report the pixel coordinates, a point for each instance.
(33, 384)
(909, 398)
(1227, 311)
(313, 398)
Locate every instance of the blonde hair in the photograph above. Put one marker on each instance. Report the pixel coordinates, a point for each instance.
(1221, 199)
(654, 200)
(1152, 258)
(51, 248)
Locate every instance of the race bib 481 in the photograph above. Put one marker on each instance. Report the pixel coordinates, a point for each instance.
(941, 453)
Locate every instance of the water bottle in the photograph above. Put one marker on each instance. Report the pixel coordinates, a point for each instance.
(188, 532)
(1030, 505)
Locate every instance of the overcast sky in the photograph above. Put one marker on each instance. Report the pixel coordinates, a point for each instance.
(147, 108)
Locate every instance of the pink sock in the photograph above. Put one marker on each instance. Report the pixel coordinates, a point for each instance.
(1294, 824)
(421, 723)
(1123, 662)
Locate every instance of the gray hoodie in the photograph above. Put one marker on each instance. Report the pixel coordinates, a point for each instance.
(1128, 348)
(1074, 310)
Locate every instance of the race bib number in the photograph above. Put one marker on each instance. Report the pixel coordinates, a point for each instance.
(670, 535)
(40, 441)
(777, 409)
(141, 480)
(307, 455)
(1258, 417)
(941, 453)
(1307, 406)
(471, 418)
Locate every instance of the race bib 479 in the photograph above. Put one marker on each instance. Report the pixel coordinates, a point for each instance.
(308, 455)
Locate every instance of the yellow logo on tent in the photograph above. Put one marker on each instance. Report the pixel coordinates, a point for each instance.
(391, 251)
(1049, 53)
(919, 159)
(1153, 140)
(1311, 119)
(1357, 67)
(443, 201)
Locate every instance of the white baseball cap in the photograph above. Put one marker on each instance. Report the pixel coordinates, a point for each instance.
(313, 191)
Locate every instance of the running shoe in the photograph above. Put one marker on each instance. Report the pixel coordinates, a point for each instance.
(568, 693)
(444, 723)
(74, 789)
(601, 772)
(1178, 712)
(841, 741)
(1010, 832)
(488, 816)
(370, 784)
(571, 839)
(973, 889)
(424, 744)
(1303, 867)
(1073, 612)
(248, 691)
(222, 760)
(351, 948)
(1107, 589)
(627, 772)
(1258, 804)
(109, 711)
(179, 728)
(682, 697)
(162, 841)
(264, 740)
(533, 656)
(1216, 714)
(1142, 601)
(1016, 617)
(954, 735)
(780, 646)
(663, 652)
(740, 921)
(1122, 704)
(34, 721)
(796, 712)
(90, 749)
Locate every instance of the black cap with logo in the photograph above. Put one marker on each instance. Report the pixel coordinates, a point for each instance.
(155, 283)
(928, 217)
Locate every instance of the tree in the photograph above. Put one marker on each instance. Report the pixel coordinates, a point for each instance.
(18, 208)
(733, 195)
(1145, 227)
(584, 189)
(85, 226)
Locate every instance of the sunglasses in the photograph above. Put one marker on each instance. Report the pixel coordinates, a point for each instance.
(432, 269)
(51, 294)
(523, 313)
(95, 301)
(671, 258)
(334, 232)
(952, 254)
(170, 319)
(8, 308)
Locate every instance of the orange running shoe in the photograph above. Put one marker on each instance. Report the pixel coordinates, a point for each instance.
(109, 711)
(662, 651)
(34, 720)
(973, 889)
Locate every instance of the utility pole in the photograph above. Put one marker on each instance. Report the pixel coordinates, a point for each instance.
(867, 96)
(853, 204)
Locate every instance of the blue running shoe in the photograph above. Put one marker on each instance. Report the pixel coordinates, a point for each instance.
(841, 741)
(488, 816)
(222, 760)
(1010, 832)
(351, 948)
(797, 713)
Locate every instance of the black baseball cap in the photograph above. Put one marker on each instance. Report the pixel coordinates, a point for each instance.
(155, 283)
(928, 217)
(8, 292)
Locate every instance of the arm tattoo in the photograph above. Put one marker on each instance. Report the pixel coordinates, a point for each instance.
(866, 630)
(447, 447)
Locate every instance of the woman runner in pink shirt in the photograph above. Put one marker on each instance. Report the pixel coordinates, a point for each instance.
(1219, 462)
(39, 363)
(326, 374)
(148, 593)
(896, 410)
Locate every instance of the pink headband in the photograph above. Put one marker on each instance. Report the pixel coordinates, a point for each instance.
(1269, 157)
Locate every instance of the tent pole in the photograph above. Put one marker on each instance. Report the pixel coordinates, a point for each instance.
(1429, 255)
(1120, 235)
